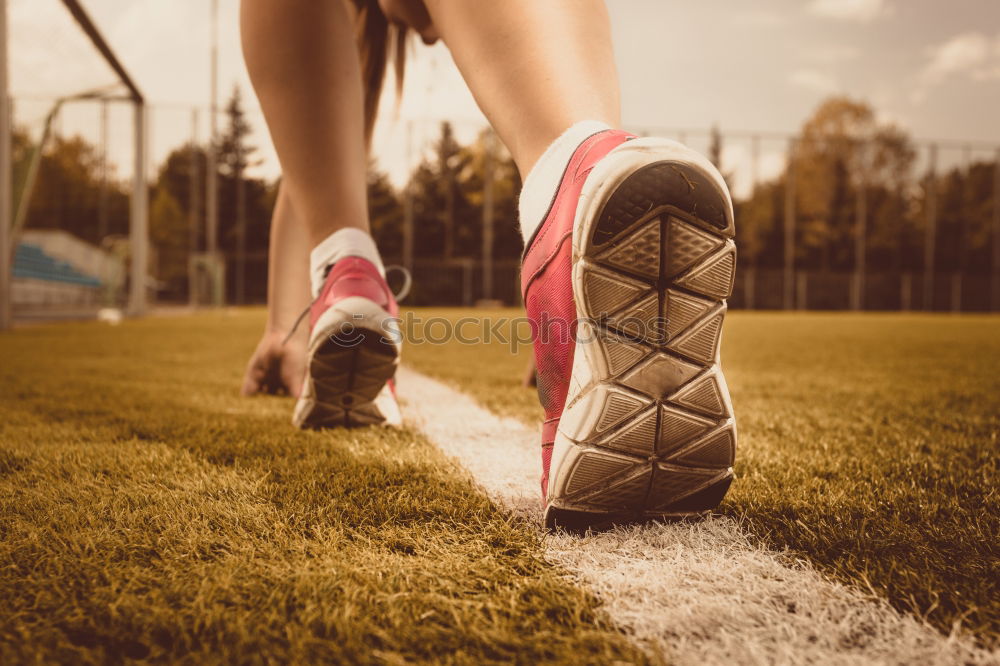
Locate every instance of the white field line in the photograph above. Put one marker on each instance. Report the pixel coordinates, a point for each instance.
(698, 593)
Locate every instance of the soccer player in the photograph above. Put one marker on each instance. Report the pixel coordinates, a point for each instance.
(628, 244)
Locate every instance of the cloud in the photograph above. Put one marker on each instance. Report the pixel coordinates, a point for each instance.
(859, 11)
(763, 18)
(832, 54)
(964, 53)
(987, 73)
(813, 80)
(969, 54)
(884, 116)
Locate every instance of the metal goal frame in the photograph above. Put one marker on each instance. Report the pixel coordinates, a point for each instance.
(139, 208)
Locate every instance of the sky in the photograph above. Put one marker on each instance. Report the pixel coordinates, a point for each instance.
(932, 67)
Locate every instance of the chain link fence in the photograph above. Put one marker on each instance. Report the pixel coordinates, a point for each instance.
(444, 205)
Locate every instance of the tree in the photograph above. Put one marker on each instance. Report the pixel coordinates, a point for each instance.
(842, 148)
(232, 148)
(234, 157)
(168, 234)
(68, 188)
(507, 243)
(447, 150)
(233, 162)
(756, 220)
(447, 190)
(385, 213)
(965, 209)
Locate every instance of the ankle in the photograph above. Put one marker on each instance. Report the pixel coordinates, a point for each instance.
(346, 242)
(545, 174)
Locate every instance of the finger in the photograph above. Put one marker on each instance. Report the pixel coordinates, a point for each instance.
(254, 377)
(250, 385)
(273, 382)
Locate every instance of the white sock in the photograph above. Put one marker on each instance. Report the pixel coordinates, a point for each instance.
(346, 242)
(543, 180)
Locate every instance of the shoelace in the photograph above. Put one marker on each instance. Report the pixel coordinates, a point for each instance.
(403, 292)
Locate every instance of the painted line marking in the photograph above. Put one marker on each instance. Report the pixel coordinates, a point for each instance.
(699, 593)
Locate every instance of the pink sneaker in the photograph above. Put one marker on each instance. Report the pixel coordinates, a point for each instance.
(354, 346)
(626, 281)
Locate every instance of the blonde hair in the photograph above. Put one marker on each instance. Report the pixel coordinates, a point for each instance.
(379, 42)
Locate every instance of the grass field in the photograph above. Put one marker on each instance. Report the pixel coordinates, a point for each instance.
(868, 445)
(146, 510)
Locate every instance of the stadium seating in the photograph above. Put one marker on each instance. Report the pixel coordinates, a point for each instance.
(31, 262)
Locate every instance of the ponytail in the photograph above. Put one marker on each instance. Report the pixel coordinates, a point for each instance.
(378, 42)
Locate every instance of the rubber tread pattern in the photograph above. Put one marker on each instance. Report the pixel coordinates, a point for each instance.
(347, 376)
(656, 184)
(686, 432)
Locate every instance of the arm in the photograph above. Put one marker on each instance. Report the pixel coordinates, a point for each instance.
(276, 365)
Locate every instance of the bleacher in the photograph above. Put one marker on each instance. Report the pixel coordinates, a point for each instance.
(46, 278)
(31, 262)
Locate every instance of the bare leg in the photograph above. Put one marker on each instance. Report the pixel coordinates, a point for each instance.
(304, 66)
(535, 67)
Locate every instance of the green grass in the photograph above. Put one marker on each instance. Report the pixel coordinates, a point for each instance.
(868, 445)
(147, 511)
(490, 371)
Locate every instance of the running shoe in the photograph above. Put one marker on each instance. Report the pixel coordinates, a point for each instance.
(625, 282)
(354, 346)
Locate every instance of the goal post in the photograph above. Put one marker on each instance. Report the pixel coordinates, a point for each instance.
(6, 186)
(139, 205)
(139, 217)
(139, 211)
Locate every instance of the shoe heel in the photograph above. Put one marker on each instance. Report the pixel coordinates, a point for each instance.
(652, 435)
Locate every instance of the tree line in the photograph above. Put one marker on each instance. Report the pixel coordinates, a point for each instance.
(842, 157)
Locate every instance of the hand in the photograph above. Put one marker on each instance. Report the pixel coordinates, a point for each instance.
(275, 367)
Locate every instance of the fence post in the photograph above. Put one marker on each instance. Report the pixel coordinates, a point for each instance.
(102, 197)
(930, 240)
(212, 183)
(467, 282)
(788, 280)
(861, 233)
(408, 204)
(449, 210)
(139, 218)
(964, 225)
(995, 268)
(241, 228)
(956, 292)
(194, 203)
(217, 271)
(750, 276)
(488, 217)
(6, 187)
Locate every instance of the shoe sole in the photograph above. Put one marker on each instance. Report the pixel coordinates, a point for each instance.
(648, 431)
(349, 367)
